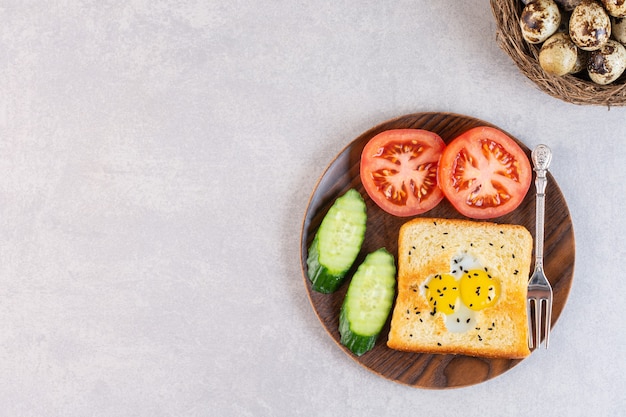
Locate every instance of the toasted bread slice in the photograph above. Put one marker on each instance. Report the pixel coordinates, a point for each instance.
(491, 323)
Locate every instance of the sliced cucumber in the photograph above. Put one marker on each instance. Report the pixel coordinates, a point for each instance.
(337, 242)
(368, 302)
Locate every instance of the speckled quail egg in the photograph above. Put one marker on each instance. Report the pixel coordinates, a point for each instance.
(589, 25)
(607, 63)
(568, 5)
(539, 20)
(615, 8)
(558, 54)
(618, 28)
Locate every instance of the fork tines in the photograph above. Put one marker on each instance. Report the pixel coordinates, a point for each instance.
(539, 319)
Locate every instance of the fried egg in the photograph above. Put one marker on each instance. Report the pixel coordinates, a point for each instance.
(461, 292)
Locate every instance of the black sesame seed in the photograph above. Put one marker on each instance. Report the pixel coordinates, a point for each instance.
(421, 321)
(477, 328)
(475, 274)
(489, 328)
(454, 271)
(454, 288)
(458, 320)
(443, 247)
(471, 244)
(426, 286)
(501, 246)
(413, 247)
(516, 272)
(408, 311)
(411, 335)
(409, 253)
(486, 270)
(435, 223)
(490, 244)
(445, 233)
(493, 324)
(467, 321)
(513, 255)
(471, 305)
(438, 344)
(501, 232)
(480, 339)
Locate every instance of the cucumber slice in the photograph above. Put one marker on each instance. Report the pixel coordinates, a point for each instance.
(368, 302)
(337, 242)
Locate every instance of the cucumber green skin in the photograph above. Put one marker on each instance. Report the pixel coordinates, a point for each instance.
(322, 279)
(356, 343)
(359, 343)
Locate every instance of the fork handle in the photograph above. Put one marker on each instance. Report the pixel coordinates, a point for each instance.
(541, 156)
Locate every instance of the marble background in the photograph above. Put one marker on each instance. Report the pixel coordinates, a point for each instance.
(156, 161)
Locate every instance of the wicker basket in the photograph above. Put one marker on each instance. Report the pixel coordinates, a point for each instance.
(570, 88)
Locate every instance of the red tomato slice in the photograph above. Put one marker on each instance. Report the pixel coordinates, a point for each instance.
(484, 173)
(399, 170)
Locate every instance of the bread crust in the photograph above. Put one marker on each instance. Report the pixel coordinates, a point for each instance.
(426, 247)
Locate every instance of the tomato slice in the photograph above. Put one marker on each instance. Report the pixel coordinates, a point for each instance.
(484, 173)
(399, 170)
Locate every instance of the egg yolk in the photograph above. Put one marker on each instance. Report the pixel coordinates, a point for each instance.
(442, 291)
(479, 289)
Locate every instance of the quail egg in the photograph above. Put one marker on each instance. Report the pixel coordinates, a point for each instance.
(558, 54)
(618, 28)
(615, 8)
(589, 25)
(539, 20)
(607, 63)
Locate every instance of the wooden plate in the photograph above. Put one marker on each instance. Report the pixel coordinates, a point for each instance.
(428, 370)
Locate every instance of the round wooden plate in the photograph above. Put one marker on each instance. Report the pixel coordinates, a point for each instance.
(428, 370)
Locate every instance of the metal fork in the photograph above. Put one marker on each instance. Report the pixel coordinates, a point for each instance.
(539, 299)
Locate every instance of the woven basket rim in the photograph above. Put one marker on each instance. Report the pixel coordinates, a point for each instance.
(568, 88)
